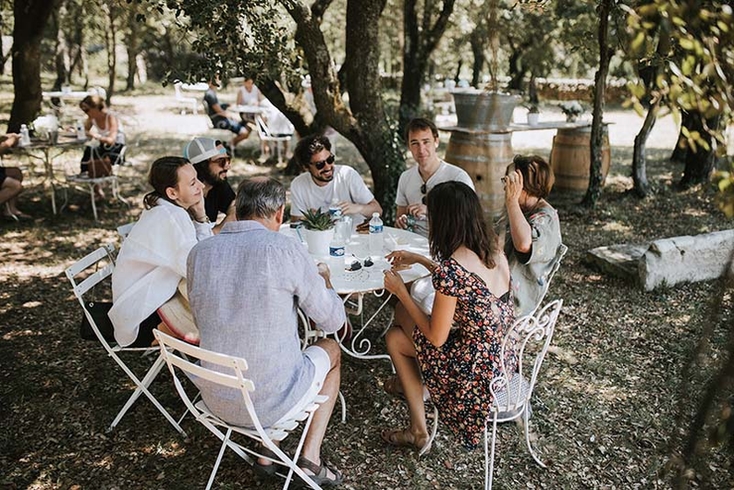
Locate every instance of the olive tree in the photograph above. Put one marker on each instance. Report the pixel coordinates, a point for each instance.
(279, 42)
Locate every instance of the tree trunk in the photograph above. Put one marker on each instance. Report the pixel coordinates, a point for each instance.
(517, 72)
(532, 89)
(639, 167)
(420, 42)
(61, 50)
(372, 135)
(3, 58)
(365, 125)
(133, 47)
(597, 127)
(477, 48)
(700, 163)
(110, 44)
(30, 19)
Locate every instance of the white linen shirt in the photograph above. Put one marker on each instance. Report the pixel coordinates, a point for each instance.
(151, 262)
(347, 185)
(410, 182)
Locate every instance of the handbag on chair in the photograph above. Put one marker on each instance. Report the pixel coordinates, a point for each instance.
(98, 310)
(99, 167)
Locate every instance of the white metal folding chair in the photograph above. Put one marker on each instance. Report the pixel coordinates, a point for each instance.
(89, 183)
(267, 137)
(185, 101)
(228, 371)
(84, 275)
(531, 335)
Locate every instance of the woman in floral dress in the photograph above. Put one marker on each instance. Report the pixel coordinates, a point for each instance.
(456, 351)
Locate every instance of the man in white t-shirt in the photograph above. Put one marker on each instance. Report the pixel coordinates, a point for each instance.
(422, 138)
(325, 183)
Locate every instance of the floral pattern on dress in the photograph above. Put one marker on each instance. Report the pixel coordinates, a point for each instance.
(458, 373)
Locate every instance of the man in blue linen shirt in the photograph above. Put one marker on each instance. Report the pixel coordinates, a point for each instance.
(245, 288)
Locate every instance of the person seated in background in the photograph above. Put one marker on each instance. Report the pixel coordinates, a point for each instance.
(455, 352)
(532, 230)
(106, 139)
(421, 136)
(11, 182)
(152, 259)
(249, 94)
(212, 162)
(325, 183)
(220, 117)
(248, 308)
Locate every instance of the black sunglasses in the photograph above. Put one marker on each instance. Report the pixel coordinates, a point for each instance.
(321, 164)
(423, 188)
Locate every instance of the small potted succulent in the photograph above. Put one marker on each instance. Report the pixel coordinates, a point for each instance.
(319, 231)
(533, 115)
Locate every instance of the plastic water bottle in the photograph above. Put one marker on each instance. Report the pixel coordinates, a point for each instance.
(81, 133)
(334, 210)
(25, 138)
(376, 237)
(336, 255)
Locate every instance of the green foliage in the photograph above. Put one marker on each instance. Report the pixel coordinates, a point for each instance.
(725, 183)
(692, 46)
(315, 219)
(236, 38)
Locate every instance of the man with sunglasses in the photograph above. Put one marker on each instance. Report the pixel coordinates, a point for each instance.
(422, 138)
(324, 183)
(212, 162)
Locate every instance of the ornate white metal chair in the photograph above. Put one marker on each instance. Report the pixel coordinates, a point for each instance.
(84, 275)
(88, 183)
(229, 372)
(532, 335)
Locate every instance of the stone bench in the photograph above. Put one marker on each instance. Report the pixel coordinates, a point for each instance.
(668, 261)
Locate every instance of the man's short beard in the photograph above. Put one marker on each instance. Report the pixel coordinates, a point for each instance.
(206, 175)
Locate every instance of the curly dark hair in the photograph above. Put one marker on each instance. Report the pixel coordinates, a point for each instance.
(309, 146)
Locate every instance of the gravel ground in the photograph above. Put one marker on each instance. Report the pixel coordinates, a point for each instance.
(611, 409)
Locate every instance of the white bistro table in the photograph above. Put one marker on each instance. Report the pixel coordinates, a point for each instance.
(353, 285)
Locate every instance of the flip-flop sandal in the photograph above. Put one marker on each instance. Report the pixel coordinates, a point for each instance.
(321, 473)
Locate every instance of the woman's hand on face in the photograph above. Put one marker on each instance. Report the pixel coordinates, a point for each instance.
(197, 209)
(513, 186)
(401, 259)
(394, 283)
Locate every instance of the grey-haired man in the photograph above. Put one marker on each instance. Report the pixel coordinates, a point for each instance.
(246, 306)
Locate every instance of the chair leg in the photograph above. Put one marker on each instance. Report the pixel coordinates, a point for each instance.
(526, 419)
(344, 407)
(434, 430)
(489, 474)
(219, 460)
(94, 204)
(142, 388)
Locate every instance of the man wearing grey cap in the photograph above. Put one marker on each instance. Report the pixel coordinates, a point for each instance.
(212, 162)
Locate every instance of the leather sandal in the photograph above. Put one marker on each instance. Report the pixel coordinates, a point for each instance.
(393, 387)
(266, 469)
(321, 473)
(405, 438)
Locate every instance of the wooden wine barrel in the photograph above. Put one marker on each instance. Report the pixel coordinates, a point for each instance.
(485, 157)
(571, 156)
